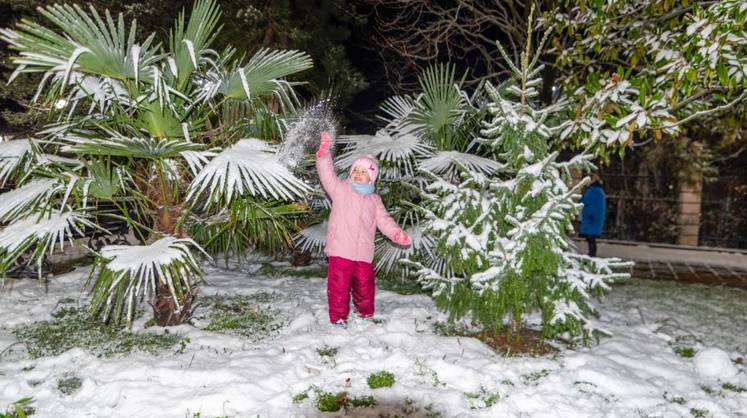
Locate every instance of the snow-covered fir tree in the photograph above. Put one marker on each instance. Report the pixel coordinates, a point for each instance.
(505, 236)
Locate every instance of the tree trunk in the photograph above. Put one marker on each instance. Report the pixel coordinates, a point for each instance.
(166, 217)
(164, 308)
(269, 35)
(300, 258)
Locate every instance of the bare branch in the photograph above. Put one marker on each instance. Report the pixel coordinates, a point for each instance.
(421, 32)
(706, 112)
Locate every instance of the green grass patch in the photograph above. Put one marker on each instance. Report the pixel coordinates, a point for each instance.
(708, 390)
(307, 272)
(19, 409)
(684, 352)
(699, 413)
(426, 372)
(367, 401)
(482, 398)
(300, 397)
(733, 388)
(327, 351)
(430, 412)
(333, 402)
(382, 379)
(400, 285)
(242, 315)
(679, 400)
(75, 327)
(532, 378)
(715, 392)
(69, 385)
(674, 398)
(446, 329)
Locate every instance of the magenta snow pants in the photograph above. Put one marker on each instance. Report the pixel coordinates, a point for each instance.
(344, 275)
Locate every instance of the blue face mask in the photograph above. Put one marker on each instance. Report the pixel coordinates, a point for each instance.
(363, 188)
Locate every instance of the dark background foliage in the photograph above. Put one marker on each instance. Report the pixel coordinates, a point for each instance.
(367, 50)
(333, 32)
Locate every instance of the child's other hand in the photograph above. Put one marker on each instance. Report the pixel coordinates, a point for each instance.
(324, 144)
(401, 238)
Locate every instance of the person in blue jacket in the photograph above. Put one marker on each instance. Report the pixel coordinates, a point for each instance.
(593, 213)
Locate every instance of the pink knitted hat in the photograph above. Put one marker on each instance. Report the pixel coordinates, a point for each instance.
(369, 163)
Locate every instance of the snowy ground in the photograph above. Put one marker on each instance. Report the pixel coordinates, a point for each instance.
(635, 373)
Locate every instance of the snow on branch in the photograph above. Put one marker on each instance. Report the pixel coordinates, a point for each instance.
(400, 150)
(40, 234)
(447, 163)
(16, 201)
(250, 166)
(13, 154)
(132, 272)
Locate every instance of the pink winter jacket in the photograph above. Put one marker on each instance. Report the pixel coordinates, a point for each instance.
(354, 218)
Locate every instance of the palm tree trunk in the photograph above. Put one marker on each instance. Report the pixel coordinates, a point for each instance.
(165, 311)
(168, 209)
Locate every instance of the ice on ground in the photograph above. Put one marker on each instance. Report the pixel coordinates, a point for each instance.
(637, 372)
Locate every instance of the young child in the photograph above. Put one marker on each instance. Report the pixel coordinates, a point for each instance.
(356, 213)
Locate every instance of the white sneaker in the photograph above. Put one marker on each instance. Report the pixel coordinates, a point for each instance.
(340, 324)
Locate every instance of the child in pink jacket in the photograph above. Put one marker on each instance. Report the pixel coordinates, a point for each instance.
(356, 213)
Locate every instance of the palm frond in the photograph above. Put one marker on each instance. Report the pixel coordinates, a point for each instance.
(189, 45)
(440, 107)
(15, 203)
(196, 160)
(248, 167)
(14, 159)
(449, 163)
(263, 76)
(248, 223)
(398, 110)
(134, 147)
(101, 91)
(87, 45)
(104, 181)
(45, 159)
(400, 151)
(388, 255)
(160, 122)
(312, 238)
(125, 274)
(40, 234)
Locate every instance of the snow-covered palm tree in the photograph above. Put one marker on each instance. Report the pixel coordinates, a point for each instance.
(174, 135)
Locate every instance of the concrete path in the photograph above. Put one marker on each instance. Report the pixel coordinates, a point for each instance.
(718, 266)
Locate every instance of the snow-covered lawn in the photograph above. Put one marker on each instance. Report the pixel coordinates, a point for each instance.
(635, 373)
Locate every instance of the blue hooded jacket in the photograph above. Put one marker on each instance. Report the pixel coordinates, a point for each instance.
(593, 213)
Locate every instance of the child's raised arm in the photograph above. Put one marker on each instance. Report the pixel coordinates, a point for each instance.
(325, 168)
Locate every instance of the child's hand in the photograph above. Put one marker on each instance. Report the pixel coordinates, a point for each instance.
(401, 238)
(324, 144)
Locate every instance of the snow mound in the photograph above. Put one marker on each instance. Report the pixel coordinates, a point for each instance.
(714, 363)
